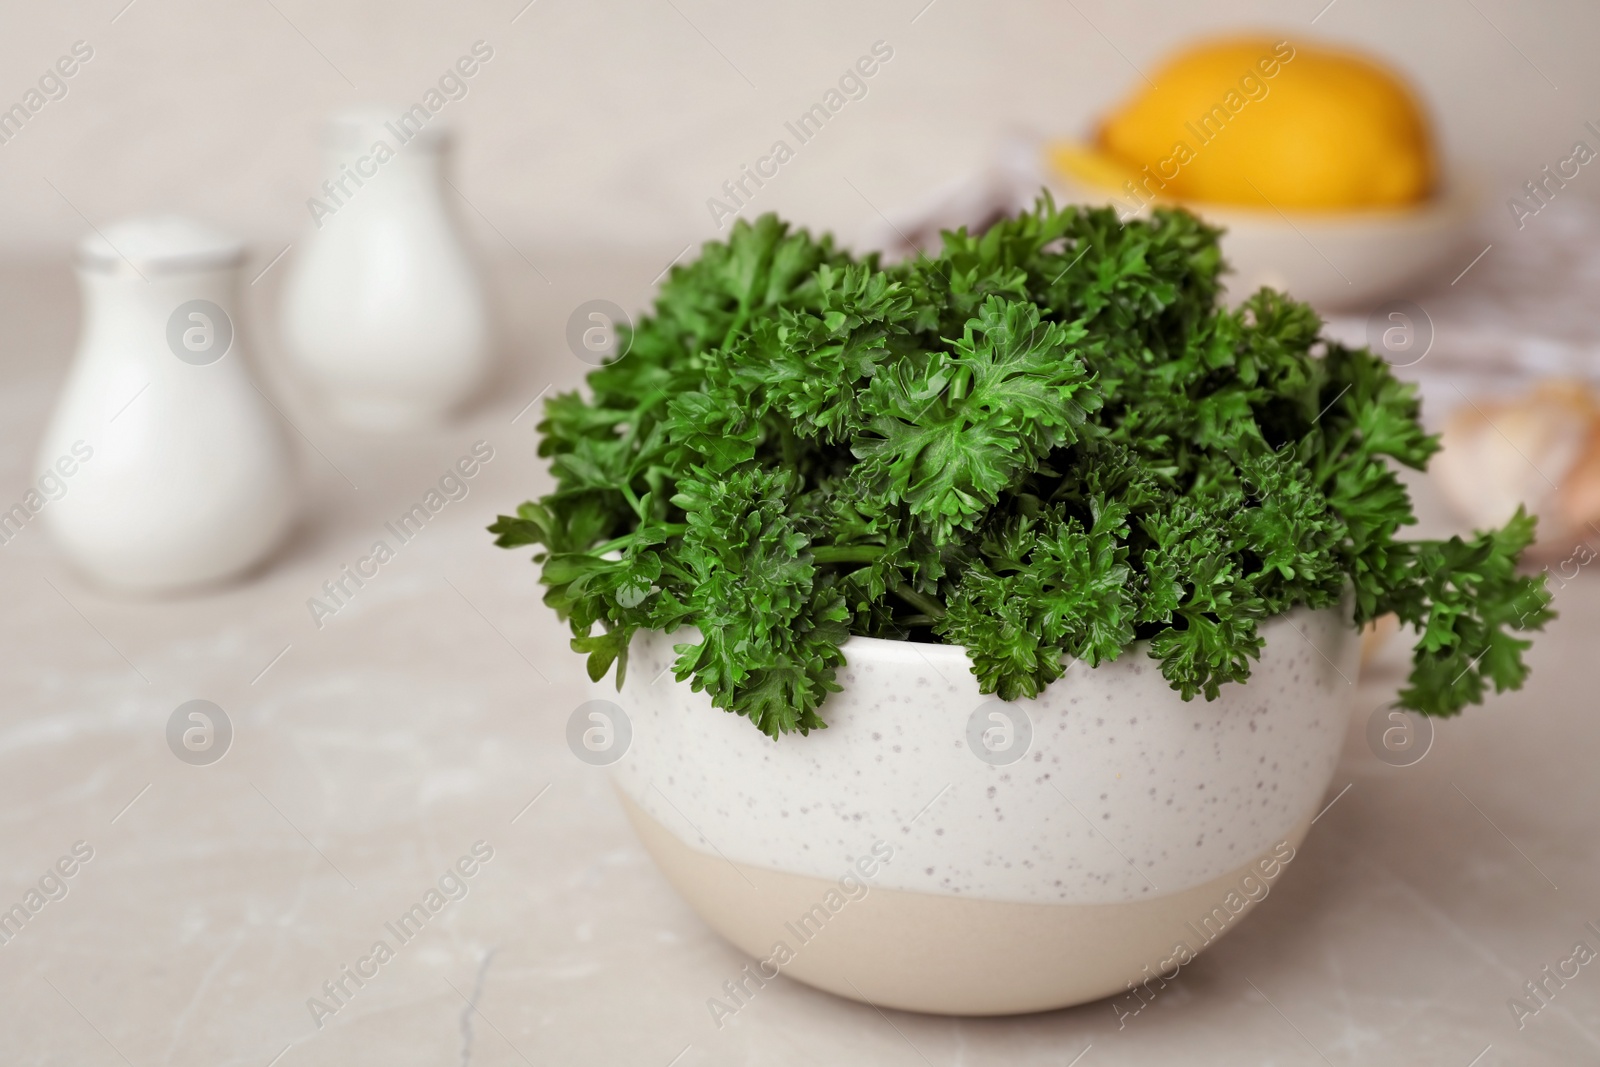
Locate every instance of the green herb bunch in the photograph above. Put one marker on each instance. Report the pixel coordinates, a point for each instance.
(1044, 444)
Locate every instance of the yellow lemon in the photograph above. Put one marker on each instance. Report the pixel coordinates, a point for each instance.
(1265, 123)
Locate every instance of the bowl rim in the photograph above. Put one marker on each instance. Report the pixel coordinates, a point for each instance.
(1454, 199)
(859, 648)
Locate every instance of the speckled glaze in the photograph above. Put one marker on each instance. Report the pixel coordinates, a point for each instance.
(1127, 792)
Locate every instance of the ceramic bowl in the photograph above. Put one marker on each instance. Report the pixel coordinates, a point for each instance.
(1344, 261)
(1334, 260)
(938, 850)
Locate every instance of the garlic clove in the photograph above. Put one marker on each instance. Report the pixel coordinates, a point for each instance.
(1375, 634)
(1525, 452)
(1578, 499)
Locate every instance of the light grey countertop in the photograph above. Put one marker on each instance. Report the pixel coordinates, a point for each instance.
(424, 717)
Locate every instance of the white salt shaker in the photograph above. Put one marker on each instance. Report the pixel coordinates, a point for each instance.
(383, 312)
(172, 469)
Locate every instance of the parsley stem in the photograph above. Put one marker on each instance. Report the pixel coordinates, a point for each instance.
(738, 321)
(846, 553)
(1333, 456)
(959, 384)
(929, 606)
(671, 529)
(633, 501)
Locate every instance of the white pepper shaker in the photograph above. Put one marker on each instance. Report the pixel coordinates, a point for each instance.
(383, 312)
(173, 470)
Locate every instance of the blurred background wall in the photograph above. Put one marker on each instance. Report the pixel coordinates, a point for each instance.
(609, 123)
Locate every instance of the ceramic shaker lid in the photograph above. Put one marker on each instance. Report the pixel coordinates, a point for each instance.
(158, 244)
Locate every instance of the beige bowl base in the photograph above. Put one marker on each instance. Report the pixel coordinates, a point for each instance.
(944, 954)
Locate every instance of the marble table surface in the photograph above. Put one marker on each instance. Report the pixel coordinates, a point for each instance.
(425, 720)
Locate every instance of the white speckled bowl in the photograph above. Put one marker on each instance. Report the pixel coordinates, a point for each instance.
(882, 859)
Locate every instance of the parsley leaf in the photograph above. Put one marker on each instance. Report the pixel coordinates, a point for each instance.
(1048, 444)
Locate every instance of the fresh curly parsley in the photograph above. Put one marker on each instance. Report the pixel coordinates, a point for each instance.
(1045, 444)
